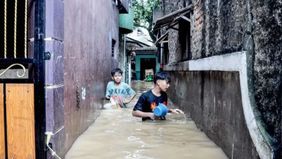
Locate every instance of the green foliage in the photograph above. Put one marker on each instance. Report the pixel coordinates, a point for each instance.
(143, 12)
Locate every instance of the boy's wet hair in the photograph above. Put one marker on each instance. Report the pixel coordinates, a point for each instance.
(161, 76)
(116, 70)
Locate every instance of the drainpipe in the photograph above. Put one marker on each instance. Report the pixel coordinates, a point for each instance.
(129, 72)
(161, 55)
(124, 58)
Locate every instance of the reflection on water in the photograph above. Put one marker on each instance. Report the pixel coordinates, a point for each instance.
(118, 135)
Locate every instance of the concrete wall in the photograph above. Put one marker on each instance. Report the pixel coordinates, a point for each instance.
(224, 27)
(54, 73)
(79, 37)
(219, 27)
(266, 63)
(90, 27)
(213, 100)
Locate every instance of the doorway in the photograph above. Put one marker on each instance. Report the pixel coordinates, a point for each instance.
(147, 63)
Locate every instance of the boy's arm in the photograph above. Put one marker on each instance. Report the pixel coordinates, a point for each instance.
(132, 94)
(138, 113)
(107, 96)
(137, 110)
(175, 111)
(129, 99)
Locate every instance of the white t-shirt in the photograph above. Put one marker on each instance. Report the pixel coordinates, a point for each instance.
(122, 90)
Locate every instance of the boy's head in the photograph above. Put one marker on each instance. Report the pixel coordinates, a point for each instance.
(116, 75)
(162, 80)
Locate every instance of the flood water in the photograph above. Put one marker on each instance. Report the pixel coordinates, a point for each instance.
(116, 134)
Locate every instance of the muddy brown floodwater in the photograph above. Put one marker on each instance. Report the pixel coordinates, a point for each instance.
(116, 134)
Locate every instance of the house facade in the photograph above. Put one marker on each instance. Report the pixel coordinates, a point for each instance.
(225, 61)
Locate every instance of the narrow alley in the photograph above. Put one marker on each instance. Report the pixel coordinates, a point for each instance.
(218, 62)
(116, 134)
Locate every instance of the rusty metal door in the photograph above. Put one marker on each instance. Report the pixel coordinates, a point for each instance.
(22, 109)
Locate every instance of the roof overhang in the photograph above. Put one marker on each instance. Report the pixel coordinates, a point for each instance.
(173, 18)
(150, 49)
(140, 43)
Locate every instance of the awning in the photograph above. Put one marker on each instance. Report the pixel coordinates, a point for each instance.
(172, 18)
(138, 42)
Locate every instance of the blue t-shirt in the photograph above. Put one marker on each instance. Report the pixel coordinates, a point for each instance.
(122, 90)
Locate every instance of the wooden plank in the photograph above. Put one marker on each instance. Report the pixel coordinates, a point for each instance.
(2, 133)
(20, 121)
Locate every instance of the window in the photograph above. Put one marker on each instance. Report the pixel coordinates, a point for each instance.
(113, 47)
(165, 53)
(185, 39)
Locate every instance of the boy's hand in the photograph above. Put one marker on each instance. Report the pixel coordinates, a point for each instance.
(117, 100)
(128, 99)
(151, 115)
(176, 111)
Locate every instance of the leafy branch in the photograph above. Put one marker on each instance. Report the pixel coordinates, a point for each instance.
(143, 12)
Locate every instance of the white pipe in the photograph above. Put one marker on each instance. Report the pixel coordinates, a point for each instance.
(124, 57)
(161, 54)
(49, 135)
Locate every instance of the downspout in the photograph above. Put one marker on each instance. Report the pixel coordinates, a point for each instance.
(124, 59)
(161, 55)
(48, 138)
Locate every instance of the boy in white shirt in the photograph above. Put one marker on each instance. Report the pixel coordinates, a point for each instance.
(118, 92)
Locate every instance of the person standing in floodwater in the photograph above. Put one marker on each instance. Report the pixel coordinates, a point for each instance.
(149, 100)
(118, 92)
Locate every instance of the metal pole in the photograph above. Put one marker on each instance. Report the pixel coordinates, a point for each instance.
(39, 79)
(124, 57)
(161, 55)
(129, 72)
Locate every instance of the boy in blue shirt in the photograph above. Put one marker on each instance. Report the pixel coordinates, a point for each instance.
(118, 92)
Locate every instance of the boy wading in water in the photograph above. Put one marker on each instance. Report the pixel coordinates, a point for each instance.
(118, 92)
(149, 100)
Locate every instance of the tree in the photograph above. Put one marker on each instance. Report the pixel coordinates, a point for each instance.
(143, 12)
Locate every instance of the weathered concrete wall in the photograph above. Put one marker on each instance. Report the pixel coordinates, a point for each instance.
(219, 27)
(256, 26)
(54, 73)
(222, 27)
(213, 100)
(79, 37)
(267, 64)
(169, 6)
(90, 27)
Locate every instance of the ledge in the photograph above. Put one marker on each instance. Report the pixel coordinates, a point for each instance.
(234, 62)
